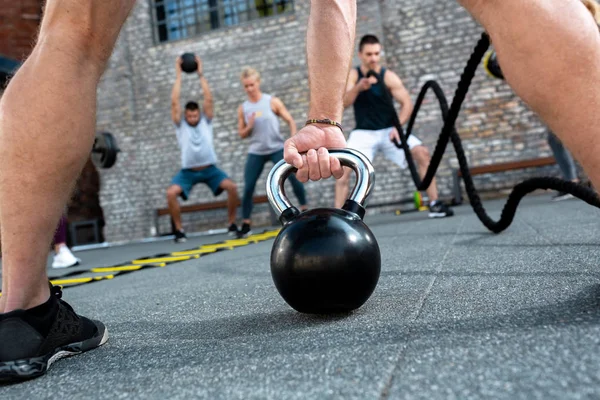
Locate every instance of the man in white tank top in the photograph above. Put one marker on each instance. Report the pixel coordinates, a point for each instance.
(258, 121)
(198, 157)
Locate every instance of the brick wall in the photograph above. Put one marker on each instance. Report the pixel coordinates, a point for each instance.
(19, 22)
(422, 40)
(433, 40)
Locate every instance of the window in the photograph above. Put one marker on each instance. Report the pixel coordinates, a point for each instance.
(178, 19)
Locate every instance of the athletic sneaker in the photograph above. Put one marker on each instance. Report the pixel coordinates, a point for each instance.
(233, 230)
(438, 209)
(560, 196)
(246, 231)
(180, 237)
(31, 340)
(64, 258)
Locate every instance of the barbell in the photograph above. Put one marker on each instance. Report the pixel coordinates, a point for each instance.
(104, 152)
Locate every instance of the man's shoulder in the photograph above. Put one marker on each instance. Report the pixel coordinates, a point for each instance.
(204, 120)
(392, 79)
(386, 72)
(353, 75)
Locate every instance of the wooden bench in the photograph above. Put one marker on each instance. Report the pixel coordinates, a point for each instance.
(492, 168)
(215, 205)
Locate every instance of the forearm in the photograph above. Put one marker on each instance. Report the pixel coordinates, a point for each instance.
(245, 132)
(292, 125)
(330, 41)
(350, 96)
(176, 91)
(405, 113)
(205, 89)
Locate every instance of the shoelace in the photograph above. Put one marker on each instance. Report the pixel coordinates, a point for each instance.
(57, 291)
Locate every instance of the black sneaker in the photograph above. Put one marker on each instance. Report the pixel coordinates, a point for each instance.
(439, 210)
(560, 196)
(233, 230)
(246, 231)
(31, 340)
(180, 237)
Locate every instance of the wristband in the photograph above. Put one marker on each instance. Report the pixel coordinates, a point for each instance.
(324, 121)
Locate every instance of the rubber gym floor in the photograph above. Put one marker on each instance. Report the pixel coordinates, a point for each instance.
(458, 313)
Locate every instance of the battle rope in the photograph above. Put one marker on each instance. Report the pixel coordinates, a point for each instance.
(449, 132)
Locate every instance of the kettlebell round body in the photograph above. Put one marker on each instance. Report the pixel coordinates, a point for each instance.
(325, 261)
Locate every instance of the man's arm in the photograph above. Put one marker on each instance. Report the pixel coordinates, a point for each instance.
(330, 41)
(352, 89)
(208, 104)
(175, 93)
(399, 92)
(281, 111)
(244, 130)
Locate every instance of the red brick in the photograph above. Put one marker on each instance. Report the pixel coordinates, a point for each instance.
(19, 21)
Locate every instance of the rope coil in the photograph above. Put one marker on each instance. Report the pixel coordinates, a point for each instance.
(449, 133)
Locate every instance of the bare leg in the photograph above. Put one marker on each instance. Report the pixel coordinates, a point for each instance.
(558, 78)
(47, 123)
(232, 199)
(173, 193)
(342, 189)
(422, 157)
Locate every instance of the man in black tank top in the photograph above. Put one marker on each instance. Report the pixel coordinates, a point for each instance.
(374, 112)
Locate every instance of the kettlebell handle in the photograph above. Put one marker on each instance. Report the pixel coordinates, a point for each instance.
(360, 164)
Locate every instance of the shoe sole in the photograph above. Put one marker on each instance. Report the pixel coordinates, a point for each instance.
(66, 266)
(29, 368)
(439, 215)
(563, 198)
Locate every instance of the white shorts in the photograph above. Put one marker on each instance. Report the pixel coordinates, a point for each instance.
(370, 142)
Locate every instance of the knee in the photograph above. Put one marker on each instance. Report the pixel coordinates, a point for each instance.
(248, 190)
(421, 154)
(230, 187)
(173, 192)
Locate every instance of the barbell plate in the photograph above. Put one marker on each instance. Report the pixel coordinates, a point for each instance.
(104, 153)
(112, 149)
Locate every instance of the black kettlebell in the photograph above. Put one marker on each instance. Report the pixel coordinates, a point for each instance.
(188, 63)
(325, 260)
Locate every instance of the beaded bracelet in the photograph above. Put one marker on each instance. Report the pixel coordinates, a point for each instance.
(324, 121)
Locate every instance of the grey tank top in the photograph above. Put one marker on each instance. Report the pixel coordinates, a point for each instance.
(265, 137)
